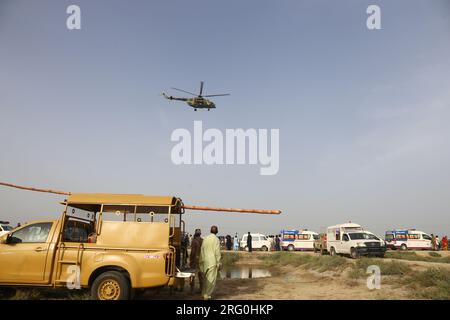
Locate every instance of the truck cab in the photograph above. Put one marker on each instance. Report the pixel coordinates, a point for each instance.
(108, 243)
(351, 239)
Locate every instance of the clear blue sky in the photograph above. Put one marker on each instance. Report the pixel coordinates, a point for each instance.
(363, 115)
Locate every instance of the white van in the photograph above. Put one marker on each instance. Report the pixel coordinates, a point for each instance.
(259, 242)
(302, 240)
(417, 240)
(351, 239)
(4, 228)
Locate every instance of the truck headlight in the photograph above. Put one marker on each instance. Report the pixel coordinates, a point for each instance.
(360, 244)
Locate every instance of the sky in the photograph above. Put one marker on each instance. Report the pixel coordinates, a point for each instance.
(362, 114)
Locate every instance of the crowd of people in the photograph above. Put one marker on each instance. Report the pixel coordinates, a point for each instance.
(437, 244)
(205, 257)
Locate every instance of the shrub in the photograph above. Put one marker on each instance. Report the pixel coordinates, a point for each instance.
(433, 283)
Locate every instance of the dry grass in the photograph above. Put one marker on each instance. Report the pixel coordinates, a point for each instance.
(412, 256)
(319, 263)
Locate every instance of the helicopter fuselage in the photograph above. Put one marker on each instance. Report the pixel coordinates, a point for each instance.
(196, 103)
(200, 103)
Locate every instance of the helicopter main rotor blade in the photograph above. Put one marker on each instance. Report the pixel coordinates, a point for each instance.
(201, 88)
(218, 95)
(184, 91)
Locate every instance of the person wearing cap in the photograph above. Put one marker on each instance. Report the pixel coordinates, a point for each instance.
(210, 263)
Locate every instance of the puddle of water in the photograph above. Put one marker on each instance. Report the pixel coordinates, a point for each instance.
(244, 272)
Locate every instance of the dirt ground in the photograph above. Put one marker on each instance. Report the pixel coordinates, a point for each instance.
(285, 282)
(292, 283)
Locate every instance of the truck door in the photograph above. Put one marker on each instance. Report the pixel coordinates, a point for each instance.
(346, 244)
(24, 257)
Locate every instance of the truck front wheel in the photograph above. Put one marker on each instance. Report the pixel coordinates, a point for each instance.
(111, 285)
(354, 253)
(333, 252)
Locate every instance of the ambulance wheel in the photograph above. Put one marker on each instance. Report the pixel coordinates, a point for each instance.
(264, 248)
(403, 247)
(333, 252)
(354, 253)
(290, 247)
(111, 285)
(195, 109)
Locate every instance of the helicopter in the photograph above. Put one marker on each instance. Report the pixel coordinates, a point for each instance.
(199, 101)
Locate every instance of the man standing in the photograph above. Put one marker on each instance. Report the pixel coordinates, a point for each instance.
(249, 242)
(277, 243)
(194, 261)
(228, 242)
(236, 242)
(433, 242)
(210, 262)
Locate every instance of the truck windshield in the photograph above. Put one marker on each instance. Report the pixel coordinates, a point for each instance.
(362, 236)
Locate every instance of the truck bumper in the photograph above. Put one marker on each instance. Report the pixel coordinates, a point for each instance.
(371, 251)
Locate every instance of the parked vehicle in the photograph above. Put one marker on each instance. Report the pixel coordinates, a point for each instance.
(4, 228)
(83, 250)
(351, 239)
(302, 240)
(320, 245)
(259, 242)
(405, 239)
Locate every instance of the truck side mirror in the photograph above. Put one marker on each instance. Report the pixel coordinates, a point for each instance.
(7, 239)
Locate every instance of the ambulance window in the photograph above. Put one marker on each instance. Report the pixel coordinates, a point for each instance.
(316, 237)
(345, 237)
(426, 237)
(338, 235)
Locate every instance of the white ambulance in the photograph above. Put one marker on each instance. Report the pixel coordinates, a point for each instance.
(300, 240)
(405, 239)
(351, 239)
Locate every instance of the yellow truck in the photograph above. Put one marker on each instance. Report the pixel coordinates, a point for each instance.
(110, 244)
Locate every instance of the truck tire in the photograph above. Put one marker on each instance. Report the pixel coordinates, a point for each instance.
(111, 285)
(290, 247)
(403, 247)
(7, 292)
(354, 253)
(333, 252)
